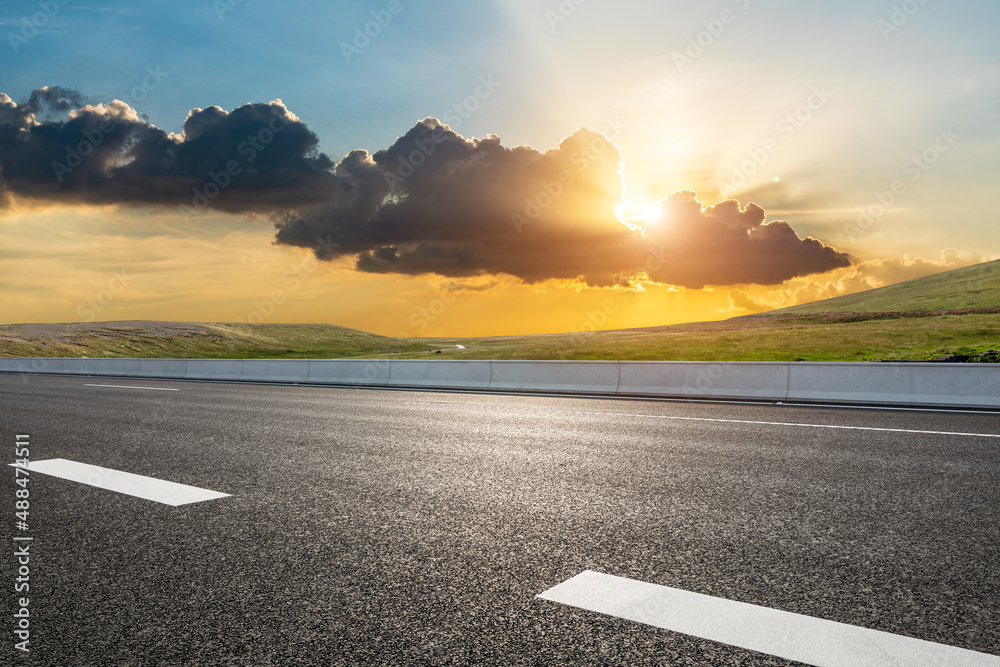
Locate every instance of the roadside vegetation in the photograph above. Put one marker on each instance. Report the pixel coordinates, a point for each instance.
(950, 315)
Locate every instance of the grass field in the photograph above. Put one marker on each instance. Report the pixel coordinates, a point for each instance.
(975, 286)
(953, 313)
(190, 340)
(974, 336)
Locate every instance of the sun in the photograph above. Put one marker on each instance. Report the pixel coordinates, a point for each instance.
(637, 213)
(652, 211)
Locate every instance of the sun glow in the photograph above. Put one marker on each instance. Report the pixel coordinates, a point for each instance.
(637, 214)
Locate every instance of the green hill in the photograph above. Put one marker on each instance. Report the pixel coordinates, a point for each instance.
(973, 287)
(196, 340)
(951, 314)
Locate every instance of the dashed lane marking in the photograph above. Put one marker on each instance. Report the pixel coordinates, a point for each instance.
(710, 419)
(814, 641)
(125, 386)
(149, 488)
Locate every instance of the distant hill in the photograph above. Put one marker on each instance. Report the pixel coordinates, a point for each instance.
(974, 287)
(196, 340)
(953, 315)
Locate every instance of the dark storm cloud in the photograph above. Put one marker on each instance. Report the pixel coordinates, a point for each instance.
(435, 202)
(432, 202)
(54, 99)
(258, 157)
(727, 245)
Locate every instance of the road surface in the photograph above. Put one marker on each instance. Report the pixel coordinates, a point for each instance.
(403, 527)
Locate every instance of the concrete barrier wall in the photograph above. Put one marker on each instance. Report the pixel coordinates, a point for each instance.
(579, 377)
(914, 384)
(82, 366)
(214, 369)
(349, 372)
(163, 368)
(735, 379)
(50, 365)
(897, 383)
(443, 375)
(275, 370)
(118, 367)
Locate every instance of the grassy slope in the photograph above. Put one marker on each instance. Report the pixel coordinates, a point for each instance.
(898, 322)
(180, 340)
(896, 339)
(888, 323)
(972, 287)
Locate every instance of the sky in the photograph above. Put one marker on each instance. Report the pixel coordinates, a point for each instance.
(490, 168)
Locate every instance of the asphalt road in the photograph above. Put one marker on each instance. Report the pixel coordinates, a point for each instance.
(393, 527)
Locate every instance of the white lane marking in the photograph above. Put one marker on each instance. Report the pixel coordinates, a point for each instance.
(149, 488)
(709, 419)
(669, 399)
(814, 641)
(124, 386)
(888, 408)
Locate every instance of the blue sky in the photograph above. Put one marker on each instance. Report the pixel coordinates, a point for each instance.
(894, 76)
(431, 55)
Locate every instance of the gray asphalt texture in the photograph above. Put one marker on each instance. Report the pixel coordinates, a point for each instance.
(405, 528)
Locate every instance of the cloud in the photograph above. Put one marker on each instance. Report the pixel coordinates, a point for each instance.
(740, 300)
(54, 99)
(484, 284)
(258, 157)
(434, 202)
(874, 273)
(862, 276)
(728, 245)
